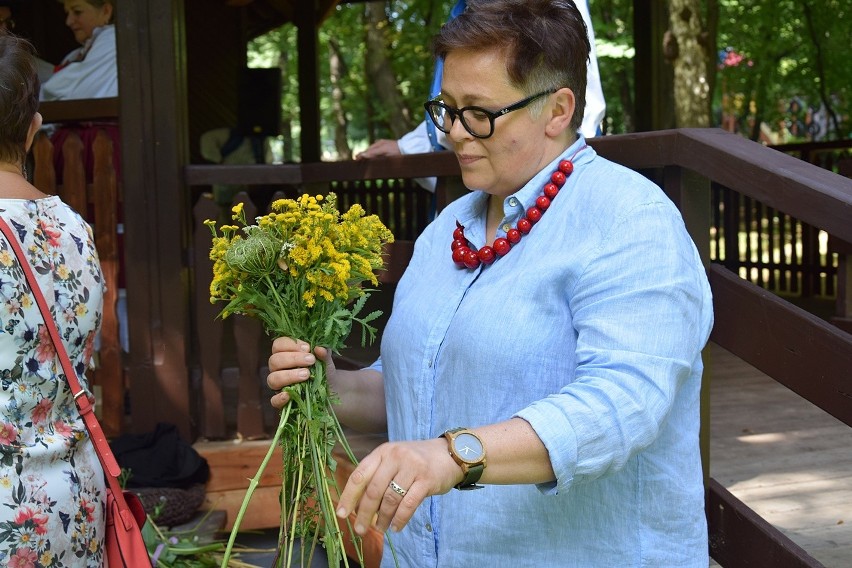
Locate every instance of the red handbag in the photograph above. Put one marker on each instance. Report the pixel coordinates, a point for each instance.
(123, 543)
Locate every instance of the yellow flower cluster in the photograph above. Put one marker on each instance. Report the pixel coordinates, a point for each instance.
(303, 250)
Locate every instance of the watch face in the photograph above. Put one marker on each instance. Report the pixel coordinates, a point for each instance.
(468, 448)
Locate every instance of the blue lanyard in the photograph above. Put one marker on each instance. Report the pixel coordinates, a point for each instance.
(435, 90)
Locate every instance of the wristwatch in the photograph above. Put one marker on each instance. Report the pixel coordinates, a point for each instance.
(469, 452)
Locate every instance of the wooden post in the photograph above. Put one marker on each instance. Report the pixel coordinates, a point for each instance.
(307, 21)
(843, 307)
(153, 115)
(691, 193)
(210, 327)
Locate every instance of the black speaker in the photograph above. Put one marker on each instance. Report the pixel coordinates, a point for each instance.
(259, 112)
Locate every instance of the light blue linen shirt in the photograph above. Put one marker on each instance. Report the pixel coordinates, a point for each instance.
(591, 329)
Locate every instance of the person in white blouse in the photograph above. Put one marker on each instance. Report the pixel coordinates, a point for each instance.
(90, 71)
(421, 140)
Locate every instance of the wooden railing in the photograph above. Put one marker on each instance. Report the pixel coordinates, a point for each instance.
(785, 342)
(765, 330)
(97, 202)
(95, 194)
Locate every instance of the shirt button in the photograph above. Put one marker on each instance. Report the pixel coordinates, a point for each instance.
(506, 227)
(513, 202)
(429, 527)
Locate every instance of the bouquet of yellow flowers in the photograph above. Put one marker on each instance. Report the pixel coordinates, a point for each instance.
(301, 270)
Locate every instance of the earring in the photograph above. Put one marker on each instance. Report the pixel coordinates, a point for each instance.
(24, 171)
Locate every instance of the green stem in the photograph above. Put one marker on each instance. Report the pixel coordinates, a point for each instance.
(253, 483)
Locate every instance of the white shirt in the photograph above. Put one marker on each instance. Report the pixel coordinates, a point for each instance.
(93, 77)
(417, 141)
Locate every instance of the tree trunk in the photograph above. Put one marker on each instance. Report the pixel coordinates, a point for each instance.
(686, 51)
(337, 68)
(380, 73)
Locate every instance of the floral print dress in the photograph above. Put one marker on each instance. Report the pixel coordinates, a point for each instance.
(52, 488)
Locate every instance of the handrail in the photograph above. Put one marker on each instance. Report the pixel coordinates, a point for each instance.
(79, 110)
(408, 166)
(814, 195)
(773, 178)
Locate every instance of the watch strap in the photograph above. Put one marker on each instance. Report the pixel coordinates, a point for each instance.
(471, 476)
(471, 473)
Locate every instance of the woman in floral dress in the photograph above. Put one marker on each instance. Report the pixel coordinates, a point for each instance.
(52, 487)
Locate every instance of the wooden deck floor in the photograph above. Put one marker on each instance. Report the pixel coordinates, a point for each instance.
(786, 459)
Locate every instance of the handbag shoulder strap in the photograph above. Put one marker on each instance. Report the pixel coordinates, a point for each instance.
(84, 405)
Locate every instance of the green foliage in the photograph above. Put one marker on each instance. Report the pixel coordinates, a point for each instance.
(791, 48)
(612, 21)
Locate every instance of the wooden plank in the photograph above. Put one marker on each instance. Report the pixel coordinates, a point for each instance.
(110, 371)
(44, 176)
(262, 511)
(154, 149)
(739, 537)
(233, 464)
(247, 336)
(796, 348)
(79, 110)
(397, 256)
(209, 328)
(771, 177)
(783, 457)
(411, 165)
(73, 188)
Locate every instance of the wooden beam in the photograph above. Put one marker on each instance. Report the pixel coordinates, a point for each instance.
(411, 165)
(154, 149)
(653, 77)
(79, 110)
(740, 538)
(307, 41)
(771, 177)
(799, 350)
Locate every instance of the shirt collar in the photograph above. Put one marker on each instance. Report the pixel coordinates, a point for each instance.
(516, 204)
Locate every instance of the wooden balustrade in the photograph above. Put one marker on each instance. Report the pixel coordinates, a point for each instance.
(97, 202)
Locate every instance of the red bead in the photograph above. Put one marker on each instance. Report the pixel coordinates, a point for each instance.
(471, 259)
(550, 190)
(486, 255)
(533, 214)
(462, 251)
(458, 255)
(501, 246)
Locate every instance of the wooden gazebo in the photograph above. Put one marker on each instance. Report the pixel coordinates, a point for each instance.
(179, 67)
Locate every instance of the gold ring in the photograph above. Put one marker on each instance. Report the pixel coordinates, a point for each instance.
(397, 489)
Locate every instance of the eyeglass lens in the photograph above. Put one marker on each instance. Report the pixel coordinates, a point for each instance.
(476, 121)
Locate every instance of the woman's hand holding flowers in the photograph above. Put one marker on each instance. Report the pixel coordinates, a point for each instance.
(290, 363)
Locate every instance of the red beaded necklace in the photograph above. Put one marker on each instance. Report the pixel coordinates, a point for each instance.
(464, 254)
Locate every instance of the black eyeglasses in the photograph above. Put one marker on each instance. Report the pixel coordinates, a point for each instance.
(476, 120)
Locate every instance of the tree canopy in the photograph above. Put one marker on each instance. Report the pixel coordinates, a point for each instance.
(779, 73)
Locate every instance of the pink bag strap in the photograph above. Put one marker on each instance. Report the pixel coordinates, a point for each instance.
(81, 398)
